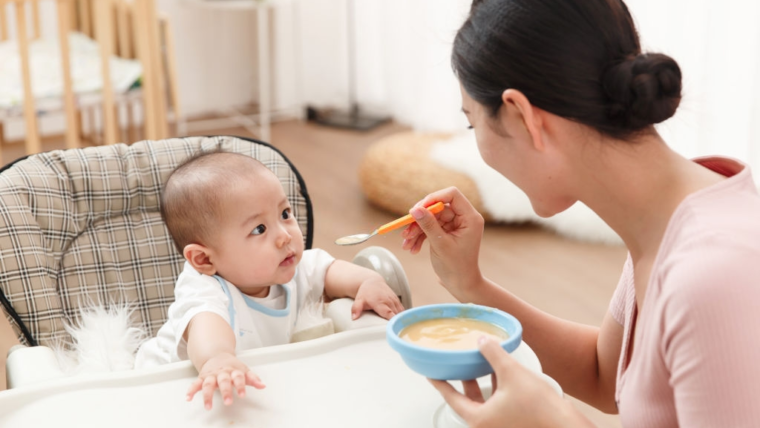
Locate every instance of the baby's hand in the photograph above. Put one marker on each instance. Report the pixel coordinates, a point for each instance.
(375, 294)
(223, 371)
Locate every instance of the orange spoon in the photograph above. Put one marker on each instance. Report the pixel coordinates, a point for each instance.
(395, 224)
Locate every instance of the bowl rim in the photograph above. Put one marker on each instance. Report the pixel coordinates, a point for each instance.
(461, 356)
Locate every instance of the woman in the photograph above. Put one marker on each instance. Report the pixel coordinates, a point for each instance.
(563, 103)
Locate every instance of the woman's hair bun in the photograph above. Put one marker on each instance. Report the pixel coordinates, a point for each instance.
(642, 90)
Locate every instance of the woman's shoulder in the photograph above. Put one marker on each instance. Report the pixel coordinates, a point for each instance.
(723, 215)
(714, 250)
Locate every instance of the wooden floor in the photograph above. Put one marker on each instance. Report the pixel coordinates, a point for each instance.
(567, 278)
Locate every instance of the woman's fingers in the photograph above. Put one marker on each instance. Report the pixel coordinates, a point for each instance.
(472, 391)
(464, 407)
(426, 221)
(500, 360)
(456, 201)
(417, 244)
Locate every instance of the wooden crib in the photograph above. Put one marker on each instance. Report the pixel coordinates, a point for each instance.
(129, 29)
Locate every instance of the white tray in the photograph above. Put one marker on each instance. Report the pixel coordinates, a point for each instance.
(343, 380)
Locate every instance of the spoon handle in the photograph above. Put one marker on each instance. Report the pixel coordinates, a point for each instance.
(407, 219)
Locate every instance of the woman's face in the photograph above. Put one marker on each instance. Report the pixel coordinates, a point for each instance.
(506, 146)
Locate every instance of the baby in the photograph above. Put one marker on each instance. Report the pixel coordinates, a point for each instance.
(246, 275)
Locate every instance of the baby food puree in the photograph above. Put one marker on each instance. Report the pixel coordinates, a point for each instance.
(451, 333)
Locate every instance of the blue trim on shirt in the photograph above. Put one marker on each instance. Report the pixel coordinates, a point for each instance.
(253, 304)
(256, 306)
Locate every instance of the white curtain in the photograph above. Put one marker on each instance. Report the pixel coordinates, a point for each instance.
(403, 51)
(400, 58)
(402, 66)
(401, 62)
(717, 45)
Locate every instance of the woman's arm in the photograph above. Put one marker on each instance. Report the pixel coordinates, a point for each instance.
(519, 396)
(583, 359)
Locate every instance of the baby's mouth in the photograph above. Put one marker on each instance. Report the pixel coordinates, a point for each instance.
(288, 260)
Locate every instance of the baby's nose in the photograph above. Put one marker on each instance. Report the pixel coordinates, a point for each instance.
(283, 238)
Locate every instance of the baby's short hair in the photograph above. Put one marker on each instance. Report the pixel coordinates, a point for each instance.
(191, 199)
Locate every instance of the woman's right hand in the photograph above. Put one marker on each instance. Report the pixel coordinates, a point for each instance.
(519, 399)
(454, 235)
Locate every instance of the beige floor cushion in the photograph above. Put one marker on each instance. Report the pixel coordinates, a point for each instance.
(399, 170)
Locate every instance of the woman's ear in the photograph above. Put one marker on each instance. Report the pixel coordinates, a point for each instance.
(199, 258)
(529, 115)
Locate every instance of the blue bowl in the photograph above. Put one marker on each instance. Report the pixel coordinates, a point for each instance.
(444, 364)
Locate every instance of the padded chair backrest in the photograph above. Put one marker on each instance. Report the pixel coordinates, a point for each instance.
(82, 226)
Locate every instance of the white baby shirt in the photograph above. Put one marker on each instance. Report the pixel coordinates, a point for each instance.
(256, 322)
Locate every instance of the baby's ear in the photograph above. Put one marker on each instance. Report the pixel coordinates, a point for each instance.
(199, 258)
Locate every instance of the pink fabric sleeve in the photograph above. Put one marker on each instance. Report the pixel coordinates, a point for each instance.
(623, 290)
(710, 341)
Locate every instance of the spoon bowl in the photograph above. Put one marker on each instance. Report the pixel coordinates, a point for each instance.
(395, 224)
(355, 239)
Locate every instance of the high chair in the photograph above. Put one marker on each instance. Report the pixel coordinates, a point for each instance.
(130, 31)
(82, 225)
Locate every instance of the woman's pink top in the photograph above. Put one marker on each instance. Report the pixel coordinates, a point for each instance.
(696, 357)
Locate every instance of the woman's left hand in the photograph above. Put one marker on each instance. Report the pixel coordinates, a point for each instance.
(519, 399)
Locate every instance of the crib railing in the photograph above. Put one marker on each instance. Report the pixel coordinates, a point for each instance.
(126, 28)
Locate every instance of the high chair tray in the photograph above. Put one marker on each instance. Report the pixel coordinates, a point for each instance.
(346, 379)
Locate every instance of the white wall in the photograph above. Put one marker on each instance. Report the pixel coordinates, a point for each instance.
(217, 50)
(402, 59)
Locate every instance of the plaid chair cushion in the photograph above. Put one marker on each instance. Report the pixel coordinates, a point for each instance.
(82, 226)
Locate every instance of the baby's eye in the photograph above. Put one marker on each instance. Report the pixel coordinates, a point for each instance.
(469, 127)
(258, 230)
(286, 214)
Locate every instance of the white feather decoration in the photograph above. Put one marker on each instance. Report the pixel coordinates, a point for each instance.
(103, 340)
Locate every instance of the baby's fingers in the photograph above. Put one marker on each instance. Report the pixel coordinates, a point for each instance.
(209, 386)
(252, 380)
(238, 380)
(194, 388)
(224, 381)
(384, 310)
(397, 306)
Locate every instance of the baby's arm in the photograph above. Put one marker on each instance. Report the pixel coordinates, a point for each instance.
(365, 286)
(211, 348)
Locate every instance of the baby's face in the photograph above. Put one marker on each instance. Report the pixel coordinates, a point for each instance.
(259, 242)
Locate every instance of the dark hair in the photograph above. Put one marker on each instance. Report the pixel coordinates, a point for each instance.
(191, 200)
(579, 59)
